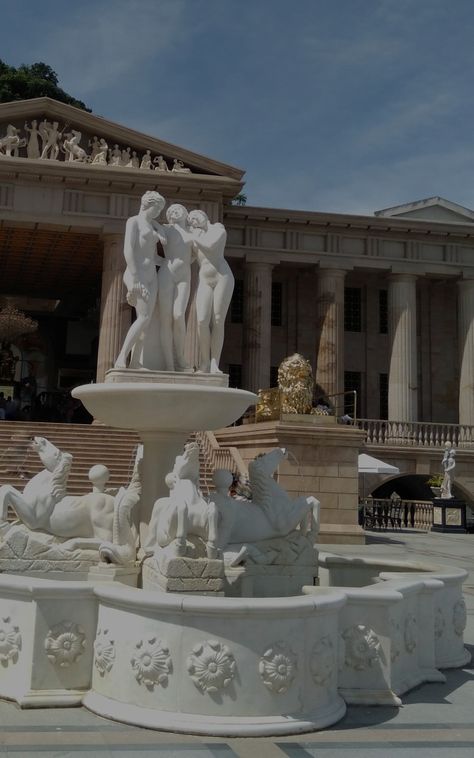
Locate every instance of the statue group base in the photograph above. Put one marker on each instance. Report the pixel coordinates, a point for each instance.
(449, 515)
(143, 375)
(202, 576)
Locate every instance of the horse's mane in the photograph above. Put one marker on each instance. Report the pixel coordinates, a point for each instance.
(60, 476)
(262, 484)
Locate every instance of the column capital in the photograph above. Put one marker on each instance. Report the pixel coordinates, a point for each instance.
(465, 284)
(402, 277)
(338, 273)
(258, 265)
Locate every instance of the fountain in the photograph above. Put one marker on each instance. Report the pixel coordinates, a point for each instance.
(237, 626)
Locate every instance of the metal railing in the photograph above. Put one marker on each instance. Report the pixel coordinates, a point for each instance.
(415, 433)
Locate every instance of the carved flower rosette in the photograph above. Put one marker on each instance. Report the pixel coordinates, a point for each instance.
(277, 667)
(211, 666)
(362, 647)
(104, 652)
(10, 641)
(323, 660)
(459, 617)
(151, 662)
(65, 643)
(411, 633)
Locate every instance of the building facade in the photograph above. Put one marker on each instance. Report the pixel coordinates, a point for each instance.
(382, 304)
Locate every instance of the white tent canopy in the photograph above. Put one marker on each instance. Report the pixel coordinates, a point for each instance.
(369, 465)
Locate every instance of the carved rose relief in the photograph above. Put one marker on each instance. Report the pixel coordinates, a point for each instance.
(151, 662)
(459, 617)
(277, 667)
(10, 641)
(211, 666)
(362, 647)
(323, 660)
(65, 643)
(411, 633)
(104, 651)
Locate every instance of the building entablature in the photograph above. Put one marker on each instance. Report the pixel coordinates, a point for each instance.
(351, 242)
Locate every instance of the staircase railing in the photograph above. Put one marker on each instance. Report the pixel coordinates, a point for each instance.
(416, 433)
(220, 457)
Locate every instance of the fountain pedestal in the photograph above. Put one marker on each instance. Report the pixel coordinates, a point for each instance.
(164, 409)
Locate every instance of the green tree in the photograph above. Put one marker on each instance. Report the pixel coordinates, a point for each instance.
(35, 80)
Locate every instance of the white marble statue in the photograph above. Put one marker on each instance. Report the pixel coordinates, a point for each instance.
(97, 520)
(115, 158)
(214, 293)
(449, 464)
(224, 522)
(174, 285)
(179, 167)
(269, 514)
(100, 158)
(160, 164)
(94, 145)
(10, 144)
(142, 232)
(51, 135)
(72, 149)
(33, 149)
(125, 159)
(184, 513)
(145, 162)
(134, 161)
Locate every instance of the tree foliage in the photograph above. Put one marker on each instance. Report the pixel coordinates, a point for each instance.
(35, 80)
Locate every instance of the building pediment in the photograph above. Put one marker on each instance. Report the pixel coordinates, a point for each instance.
(47, 130)
(431, 209)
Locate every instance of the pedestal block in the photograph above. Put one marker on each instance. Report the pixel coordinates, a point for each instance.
(449, 515)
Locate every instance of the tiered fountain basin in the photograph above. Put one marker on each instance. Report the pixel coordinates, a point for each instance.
(233, 666)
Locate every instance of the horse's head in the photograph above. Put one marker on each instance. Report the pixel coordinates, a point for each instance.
(48, 453)
(186, 466)
(267, 463)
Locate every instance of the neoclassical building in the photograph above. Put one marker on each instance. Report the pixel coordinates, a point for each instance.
(380, 304)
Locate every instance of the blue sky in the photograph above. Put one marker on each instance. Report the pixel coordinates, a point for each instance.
(332, 105)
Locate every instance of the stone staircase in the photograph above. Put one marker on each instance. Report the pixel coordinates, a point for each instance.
(90, 444)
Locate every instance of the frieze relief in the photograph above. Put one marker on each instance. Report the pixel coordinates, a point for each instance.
(41, 139)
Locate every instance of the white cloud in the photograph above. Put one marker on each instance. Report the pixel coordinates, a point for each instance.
(95, 46)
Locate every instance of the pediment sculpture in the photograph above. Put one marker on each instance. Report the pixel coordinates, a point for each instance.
(40, 139)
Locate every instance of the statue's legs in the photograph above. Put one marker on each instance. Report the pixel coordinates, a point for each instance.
(9, 496)
(221, 301)
(179, 323)
(204, 297)
(212, 521)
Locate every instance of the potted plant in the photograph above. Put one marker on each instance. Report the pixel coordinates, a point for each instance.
(434, 483)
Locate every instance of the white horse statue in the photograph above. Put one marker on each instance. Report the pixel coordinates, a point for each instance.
(225, 520)
(185, 512)
(270, 513)
(95, 520)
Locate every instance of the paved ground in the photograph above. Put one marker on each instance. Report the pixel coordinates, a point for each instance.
(436, 720)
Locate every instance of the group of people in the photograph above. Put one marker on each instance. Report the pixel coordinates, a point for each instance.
(160, 298)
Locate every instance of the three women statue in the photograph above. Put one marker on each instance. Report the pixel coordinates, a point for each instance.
(161, 298)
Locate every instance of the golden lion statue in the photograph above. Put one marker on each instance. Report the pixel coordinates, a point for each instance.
(295, 382)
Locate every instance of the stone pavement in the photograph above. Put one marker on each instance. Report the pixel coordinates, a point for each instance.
(435, 721)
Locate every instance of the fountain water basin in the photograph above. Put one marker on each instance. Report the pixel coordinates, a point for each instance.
(233, 666)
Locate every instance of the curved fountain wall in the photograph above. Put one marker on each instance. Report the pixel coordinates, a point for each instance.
(234, 666)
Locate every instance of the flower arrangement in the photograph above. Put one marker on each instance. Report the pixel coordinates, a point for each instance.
(435, 481)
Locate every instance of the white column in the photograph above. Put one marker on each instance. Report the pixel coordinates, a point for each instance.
(330, 324)
(403, 373)
(466, 351)
(257, 326)
(115, 314)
